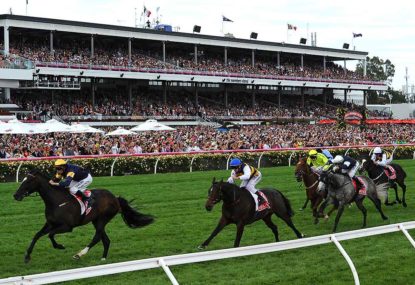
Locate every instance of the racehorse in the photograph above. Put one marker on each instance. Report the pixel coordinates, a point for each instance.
(378, 175)
(62, 212)
(239, 208)
(341, 191)
(310, 179)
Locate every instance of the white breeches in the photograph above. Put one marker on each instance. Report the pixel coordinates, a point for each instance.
(76, 186)
(352, 171)
(250, 186)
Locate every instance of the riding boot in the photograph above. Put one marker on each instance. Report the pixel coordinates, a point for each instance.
(260, 199)
(83, 197)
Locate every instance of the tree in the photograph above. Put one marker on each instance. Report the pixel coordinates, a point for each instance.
(379, 70)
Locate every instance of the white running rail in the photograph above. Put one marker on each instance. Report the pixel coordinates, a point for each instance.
(165, 262)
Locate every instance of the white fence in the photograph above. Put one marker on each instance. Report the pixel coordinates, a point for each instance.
(166, 261)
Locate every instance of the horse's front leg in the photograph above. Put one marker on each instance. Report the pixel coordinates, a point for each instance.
(222, 223)
(239, 231)
(43, 231)
(339, 214)
(58, 230)
(305, 204)
(395, 187)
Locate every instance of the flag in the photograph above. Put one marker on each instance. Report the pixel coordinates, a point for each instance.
(291, 27)
(224, 19)
(357, 35)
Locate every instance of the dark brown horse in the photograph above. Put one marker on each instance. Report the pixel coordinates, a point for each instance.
(310, 179)
(62, 212)
(239, 208)
(378, 175)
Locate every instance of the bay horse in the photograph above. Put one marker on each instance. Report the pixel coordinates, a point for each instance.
(340, 191)
(377, 173)
(63, 212)
(310, 179)
(239, 208)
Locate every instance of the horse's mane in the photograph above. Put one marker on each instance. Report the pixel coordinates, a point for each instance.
(38, 173)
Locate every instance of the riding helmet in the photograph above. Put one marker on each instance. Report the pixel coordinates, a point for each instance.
(60, 162)
(377, 150)
(235, 162)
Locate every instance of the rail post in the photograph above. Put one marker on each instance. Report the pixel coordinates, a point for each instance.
(112, 166)
(18, 171)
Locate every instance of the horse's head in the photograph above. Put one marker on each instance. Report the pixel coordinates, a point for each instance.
(365, 164)
(301, 169)
(214, 194)
(29, 185)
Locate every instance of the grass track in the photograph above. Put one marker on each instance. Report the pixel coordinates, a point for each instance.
(177, 200)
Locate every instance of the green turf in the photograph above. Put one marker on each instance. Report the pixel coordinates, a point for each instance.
(177, 201)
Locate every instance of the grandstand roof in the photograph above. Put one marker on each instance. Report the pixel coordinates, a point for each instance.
(179, 37)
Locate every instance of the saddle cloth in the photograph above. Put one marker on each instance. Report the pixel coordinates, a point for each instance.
(265, 204)
(390, 172)
(362, 189)
(85, 207)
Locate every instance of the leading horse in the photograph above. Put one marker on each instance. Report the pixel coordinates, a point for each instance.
(239, 208)
(62, 212)
(341, 192)
(377, 173)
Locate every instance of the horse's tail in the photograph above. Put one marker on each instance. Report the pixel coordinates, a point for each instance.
(132, 217)
(399, 168)
(287, 204)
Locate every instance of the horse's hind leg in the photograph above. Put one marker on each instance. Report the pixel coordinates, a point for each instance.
(339, 214)
(403, 186)
(287, 219)
(272, 226)
(395, 187)
(378, 206)
(359, 203)
(106, 243)
(305, 204)
(99, 229)
(239, 231)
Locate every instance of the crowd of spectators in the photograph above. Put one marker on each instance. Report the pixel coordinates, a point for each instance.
(69, 53)
(201, 138)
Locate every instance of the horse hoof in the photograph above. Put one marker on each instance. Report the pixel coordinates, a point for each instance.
(76, 257)
(59, 246)
(301, 209)
(303, 236)
(404, 204)
(385, 218)
(201, 247)
(26, 259)
(103, 259)
(315, 221)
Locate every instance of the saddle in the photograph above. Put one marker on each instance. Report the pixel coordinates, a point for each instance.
(263, 203)
(359, 186)
(86, 206)
(390, 172)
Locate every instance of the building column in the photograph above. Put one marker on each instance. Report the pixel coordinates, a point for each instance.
(6, 40)
(302, 97)
(253, 58)
(279, 96)
(364, 67)
(165, 92)
(324, 63)
(345, 97)
(302, 61)
(344, 67)
(226, 96)
(93, 93)
(195, 54)
(164, 51)
(51, 42)
(129, 50)
(226, 56)
(196, 95)
(253, 95)
(278, 59)
(7, 94)
(364, 99)
(92, 46)
(130, 95)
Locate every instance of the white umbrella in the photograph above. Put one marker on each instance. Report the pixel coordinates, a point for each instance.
(17, 127)
(151, 125)
(54, 126)
(81, 128)
(120, 132)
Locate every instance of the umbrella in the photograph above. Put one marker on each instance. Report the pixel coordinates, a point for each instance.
(54, 126)
(17, 127)
(152, 125)
(80, 128)
(120, 132)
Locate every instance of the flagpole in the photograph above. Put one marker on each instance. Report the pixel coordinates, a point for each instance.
(26, 6)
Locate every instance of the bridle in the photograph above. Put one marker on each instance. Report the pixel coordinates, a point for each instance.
(302, 173)
(219, 196)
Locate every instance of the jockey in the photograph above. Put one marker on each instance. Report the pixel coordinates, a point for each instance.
(326, 152)
(379, 157)
(71, 176)
(346, 165)
(250, 176)
(317, 161)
